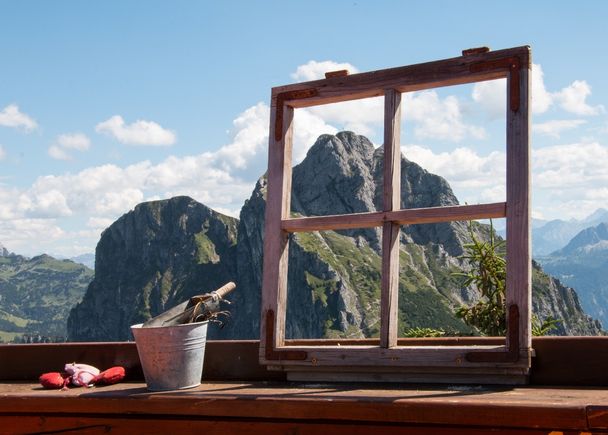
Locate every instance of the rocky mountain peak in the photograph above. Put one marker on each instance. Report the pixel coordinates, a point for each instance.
(336, 177)
(3, 251)
(586, 239)
(150, 259)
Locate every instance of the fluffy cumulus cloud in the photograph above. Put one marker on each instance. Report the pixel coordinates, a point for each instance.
(555, 127)
(138, 133)
(570, 179)
(571, 166)
(250, 138)
(66, 143)
(11, 116)
(491, 96)
(437, 118)
(474, 178)
(573, 99)
(19, 234)
(433, 117)
(314, 70)
(74, 141)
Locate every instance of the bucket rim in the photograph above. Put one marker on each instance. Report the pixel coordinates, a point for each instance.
(184, 325)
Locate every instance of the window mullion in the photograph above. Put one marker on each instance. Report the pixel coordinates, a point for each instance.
(390, 230)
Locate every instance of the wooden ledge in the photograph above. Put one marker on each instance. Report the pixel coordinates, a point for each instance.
(25, 407)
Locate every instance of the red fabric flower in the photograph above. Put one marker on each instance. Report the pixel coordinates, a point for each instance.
(110, 376)
(52, 380)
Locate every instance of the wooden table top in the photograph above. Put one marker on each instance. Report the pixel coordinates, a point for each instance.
(505, 407)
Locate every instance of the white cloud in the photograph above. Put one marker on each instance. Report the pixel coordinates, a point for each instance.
(138, 133)
(99, 223)
(568, 180)
(74, 141)
(554, 128)
(68, 142)
(573, 99)
(314, 70)
(361, 116)
(19, 234)
(433, 116)
(10, 116)
(572, 166)
(250, 139)
(58, 153)
(474, 178)
(2, 153)
(438, 119)
(541, 98)
(491, 95)
(307, 128)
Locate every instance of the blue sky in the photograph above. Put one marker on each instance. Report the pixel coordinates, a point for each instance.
(107, 104)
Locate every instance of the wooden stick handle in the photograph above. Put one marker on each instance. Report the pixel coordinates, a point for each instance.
(223, 291)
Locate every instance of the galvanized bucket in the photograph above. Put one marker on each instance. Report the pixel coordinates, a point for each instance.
(171, 356)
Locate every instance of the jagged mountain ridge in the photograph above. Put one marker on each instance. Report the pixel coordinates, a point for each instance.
(36, 296)
(582, 263)
(334, 278)
(555, 234)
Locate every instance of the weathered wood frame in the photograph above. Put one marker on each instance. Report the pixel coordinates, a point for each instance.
(508, 362)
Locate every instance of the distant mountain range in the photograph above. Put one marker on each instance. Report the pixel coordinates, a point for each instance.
(36, 295)
(163, 252)
(583, 264)
(87, 259)
(550, 236)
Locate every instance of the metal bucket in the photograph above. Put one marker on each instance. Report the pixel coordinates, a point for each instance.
(171, 356)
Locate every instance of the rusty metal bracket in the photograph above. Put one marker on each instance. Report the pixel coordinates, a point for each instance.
(513, 65)
(279, 355)
(286, 96)
(511, 355)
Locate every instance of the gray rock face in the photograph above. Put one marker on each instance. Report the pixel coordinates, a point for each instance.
(151, 259)
(561, 302)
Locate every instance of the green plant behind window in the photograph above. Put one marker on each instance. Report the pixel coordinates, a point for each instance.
(489, 275)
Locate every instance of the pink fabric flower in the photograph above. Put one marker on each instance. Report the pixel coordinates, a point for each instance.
(81, 375)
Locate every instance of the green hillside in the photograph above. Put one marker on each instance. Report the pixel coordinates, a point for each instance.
(36, 296)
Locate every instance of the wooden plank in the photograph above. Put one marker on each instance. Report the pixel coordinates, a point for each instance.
(447, 72)
(409, 377)
(448, 214)
(402, 217)
(597, 415)
(518, 206)
(410, 356)
(574, 361)
(482, 407)
(389, 290)
(218, 426)
(276, 242)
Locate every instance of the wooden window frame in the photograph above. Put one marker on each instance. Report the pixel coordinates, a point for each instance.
(388, 360)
